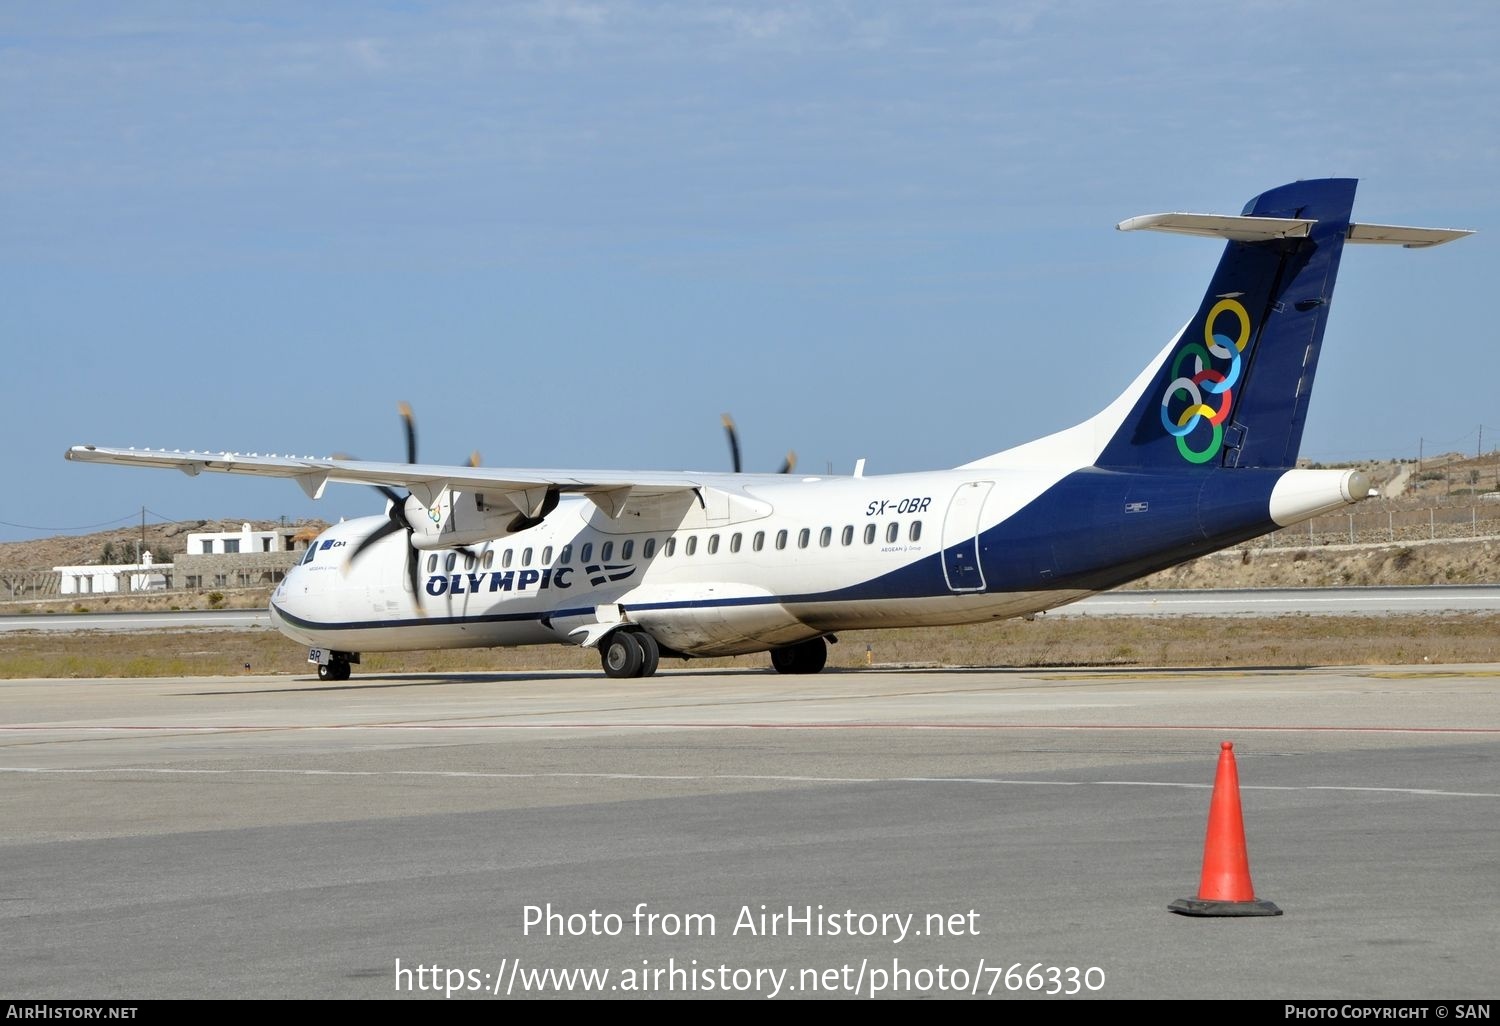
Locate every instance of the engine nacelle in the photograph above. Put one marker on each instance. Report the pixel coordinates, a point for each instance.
(451, 518)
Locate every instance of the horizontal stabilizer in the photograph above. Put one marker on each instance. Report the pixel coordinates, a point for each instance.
(1237, 228)
(1400, 235)
(1234, 227)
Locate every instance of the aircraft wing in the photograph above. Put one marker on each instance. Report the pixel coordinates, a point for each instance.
(524, 487)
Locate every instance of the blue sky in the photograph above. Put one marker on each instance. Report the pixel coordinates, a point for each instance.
(573, 233)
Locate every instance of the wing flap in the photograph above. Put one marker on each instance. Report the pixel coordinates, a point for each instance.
(522, 486)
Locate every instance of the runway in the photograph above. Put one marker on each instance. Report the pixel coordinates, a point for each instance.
(277, 837)
(1381, 601)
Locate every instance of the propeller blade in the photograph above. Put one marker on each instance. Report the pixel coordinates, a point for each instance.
(395, 500)
(410, 423)
(397, 514)
(412, 559)
(734, 441)
(787, 466)
(390, 495)
(385, 530)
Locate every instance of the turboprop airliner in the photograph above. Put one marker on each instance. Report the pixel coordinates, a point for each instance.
(1199, 453)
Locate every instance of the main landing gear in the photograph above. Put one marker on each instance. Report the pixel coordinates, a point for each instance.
(629, 653)
(805, 657)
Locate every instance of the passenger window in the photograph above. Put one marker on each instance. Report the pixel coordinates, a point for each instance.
(869, 534)
(468, 560)
(803, 537)
(450, 561)
(607, 551)
(586, 553)
(691, 546)
(649, 549)
(759, 541)
(506, 557)
(566, 555)
(848, 536)
(734, 542)
(781, 539)
(825, 536)
(489, 558)
(431, 560)
(713, 544)
(626, 549)
(892, 531)
(547, 556)
(669, 548)
(526, 556)
(915, 532)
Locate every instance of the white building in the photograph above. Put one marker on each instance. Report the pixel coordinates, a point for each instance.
(244, 541)
(246, 564)
(94, 580)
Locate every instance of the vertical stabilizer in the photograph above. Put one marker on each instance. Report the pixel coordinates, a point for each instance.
(1233, 391)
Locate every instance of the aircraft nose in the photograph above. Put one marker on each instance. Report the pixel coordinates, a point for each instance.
(289, 598)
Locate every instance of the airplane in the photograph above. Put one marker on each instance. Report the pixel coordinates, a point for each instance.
(1199, 453)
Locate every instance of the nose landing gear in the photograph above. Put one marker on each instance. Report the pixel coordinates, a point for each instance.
(332, 665)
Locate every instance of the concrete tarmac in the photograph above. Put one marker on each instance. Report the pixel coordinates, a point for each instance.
(938, 833)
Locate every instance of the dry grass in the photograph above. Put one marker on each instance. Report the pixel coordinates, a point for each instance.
(1059, 641)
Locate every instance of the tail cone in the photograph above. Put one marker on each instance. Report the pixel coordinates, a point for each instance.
(1224, 888)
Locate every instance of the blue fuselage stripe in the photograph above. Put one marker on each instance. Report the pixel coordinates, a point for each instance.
(1092, 530)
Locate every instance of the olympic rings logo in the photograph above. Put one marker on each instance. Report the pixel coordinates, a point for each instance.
(1204, 382)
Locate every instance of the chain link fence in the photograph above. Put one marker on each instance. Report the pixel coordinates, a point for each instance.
(1384, 527)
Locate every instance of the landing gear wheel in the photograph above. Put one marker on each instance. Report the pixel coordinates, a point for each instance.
(651, 652)
(805, 657)
(335, 669)
(622, 655)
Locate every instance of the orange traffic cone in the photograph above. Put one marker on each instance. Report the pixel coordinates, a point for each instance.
(1224, 889)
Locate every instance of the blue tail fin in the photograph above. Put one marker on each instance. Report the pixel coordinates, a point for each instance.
(1233, 390)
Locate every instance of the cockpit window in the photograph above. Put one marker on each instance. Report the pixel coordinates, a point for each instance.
(312, 553)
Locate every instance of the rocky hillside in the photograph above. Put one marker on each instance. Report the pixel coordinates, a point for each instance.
(121, 544)
(1464, 561)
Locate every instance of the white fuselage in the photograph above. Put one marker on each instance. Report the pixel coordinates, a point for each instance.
(758, 562)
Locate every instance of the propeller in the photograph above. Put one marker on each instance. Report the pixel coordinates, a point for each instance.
(396, 510)
(787, 465)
